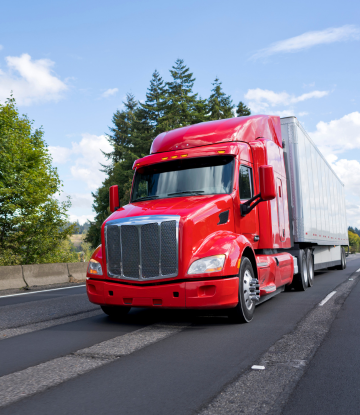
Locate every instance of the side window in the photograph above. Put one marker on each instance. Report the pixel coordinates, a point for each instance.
(245, 183)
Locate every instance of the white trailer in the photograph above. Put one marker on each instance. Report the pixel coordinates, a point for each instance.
(318, 225)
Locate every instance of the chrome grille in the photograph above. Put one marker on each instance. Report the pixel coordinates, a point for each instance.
(130, 251)
(168, 247)
(150, 250)
(143, 247)
(114, 251)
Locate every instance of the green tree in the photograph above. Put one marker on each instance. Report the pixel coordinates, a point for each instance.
(181, 106)
(242, 110)
(220, 105)
(33, 223)
(354, 242)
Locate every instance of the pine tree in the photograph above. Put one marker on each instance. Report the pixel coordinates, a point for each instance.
(242, 110)
(220, 105)
(181, 106)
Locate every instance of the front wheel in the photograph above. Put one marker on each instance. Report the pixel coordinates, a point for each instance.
(115, 311)
(244, 311)
(310, 267)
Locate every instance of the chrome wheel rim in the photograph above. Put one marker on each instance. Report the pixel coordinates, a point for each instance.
(311, 271)
(305, 271)
(246, 289)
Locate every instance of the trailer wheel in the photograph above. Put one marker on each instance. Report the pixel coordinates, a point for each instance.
(115, 311)
(310, 267)
(343, 260)
(300, 282)
(244, 311)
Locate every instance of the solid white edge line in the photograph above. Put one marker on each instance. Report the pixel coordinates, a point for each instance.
(358, 270)
(42, 291)
(327, 298)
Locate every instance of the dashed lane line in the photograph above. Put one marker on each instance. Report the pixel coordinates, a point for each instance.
(38, 378)
(327, 298)
(42, 291)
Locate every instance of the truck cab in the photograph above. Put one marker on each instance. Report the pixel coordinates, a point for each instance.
(207, 225)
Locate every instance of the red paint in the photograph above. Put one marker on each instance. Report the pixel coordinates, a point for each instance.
(114, 198)
(267, 183)
(253, 141)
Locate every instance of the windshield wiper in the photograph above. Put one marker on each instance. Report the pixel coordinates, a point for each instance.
(194, 192)
(145, 198)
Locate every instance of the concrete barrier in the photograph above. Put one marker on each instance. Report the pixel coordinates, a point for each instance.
(44, 274)
(11, 277)
(77, 271)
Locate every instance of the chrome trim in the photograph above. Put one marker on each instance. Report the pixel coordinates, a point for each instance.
(262, 264)
(139, 221)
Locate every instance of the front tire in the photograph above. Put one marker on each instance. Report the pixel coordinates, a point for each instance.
(244, 311)
(115, 311)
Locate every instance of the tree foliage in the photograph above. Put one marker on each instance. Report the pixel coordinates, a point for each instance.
(33, 224)
(168, 105)
(242, 110)
(354, 241)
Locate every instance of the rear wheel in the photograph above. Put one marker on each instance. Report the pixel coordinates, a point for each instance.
(115, 311)
(301, 279)
(310, 267)
(343, 260)
(244, 311)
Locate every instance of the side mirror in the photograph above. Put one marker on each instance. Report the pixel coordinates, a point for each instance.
(267, 190)
(114, 198)
(267, 183)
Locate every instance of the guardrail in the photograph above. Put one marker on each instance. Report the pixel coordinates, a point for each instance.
(19, 276)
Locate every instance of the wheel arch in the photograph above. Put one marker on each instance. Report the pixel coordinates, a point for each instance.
(249, 253)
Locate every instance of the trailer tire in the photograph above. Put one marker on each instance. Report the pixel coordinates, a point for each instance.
(343, 260)
(115, 311)
(310, 267)
(300, 281)
(244, 311)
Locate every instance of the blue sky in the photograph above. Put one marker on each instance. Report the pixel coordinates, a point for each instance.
(70, 65)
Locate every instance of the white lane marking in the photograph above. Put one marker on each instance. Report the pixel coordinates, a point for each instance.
(256, 367)
(358, 270)
(42, 291)
(327, 298)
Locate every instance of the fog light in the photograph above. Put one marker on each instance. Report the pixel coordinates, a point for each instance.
(209, 264)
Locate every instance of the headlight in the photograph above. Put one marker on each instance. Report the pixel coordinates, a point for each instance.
(210, 264)
(94, 267)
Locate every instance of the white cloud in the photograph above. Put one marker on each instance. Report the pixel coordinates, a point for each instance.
(109, 92)
(310, 39)
(348, 172)
(78, 200)
(337, 136)
(30, 80)
(353, 215)
(260, 100)
(85, 158)
(59, 154)
(81, 218)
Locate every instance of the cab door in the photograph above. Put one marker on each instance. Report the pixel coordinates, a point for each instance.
(246, 225)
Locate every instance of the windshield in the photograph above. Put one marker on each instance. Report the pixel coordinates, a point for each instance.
(184, 177)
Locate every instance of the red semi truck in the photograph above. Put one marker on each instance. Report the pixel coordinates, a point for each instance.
(223, 215)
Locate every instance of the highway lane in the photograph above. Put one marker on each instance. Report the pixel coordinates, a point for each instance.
(179, 374)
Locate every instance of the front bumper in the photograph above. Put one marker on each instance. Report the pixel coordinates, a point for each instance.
(208, 294)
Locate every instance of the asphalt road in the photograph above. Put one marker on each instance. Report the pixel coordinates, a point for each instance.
(59, 354)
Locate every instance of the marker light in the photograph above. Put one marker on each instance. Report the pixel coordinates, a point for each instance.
(209, 264)
(173, 157)
(164, 158)
(221, 151)
(95, 267)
